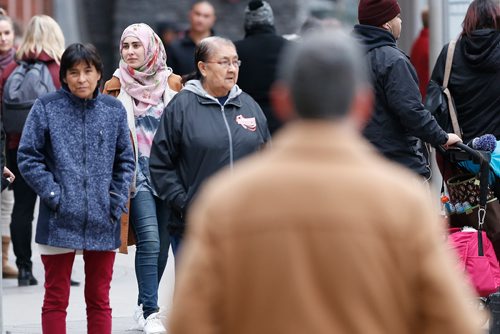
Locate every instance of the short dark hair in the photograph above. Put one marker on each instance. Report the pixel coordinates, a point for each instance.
(482, 14)
(323, 73)
(77, 53)
(425, 17)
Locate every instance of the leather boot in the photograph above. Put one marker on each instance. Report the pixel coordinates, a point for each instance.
(26, 277)
(8, 271)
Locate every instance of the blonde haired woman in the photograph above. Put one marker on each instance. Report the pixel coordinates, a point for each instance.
(43, 35)
(43, 41)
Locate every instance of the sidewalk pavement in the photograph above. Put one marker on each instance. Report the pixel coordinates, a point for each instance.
(22, 305)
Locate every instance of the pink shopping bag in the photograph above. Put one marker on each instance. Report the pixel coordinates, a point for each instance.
(479, 263)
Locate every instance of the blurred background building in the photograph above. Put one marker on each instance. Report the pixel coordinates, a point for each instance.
(101, 22)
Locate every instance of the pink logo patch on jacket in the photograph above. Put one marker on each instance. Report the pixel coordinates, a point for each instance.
(247, 123)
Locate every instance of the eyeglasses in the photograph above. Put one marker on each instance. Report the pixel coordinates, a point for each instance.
(226, 63)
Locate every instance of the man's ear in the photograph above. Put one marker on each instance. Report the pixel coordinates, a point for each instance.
(387, 26)
(282, 103)
(362, 107)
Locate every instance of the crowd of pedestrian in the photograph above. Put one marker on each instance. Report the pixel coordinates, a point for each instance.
(327, 227)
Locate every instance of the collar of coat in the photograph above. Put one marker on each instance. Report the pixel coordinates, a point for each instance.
(374, 37)
(204, 97)
(260, 29)
(79, 101)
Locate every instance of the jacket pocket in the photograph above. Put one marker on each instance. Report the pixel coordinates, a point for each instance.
(115, 206)
(72, 200)
(99, 200)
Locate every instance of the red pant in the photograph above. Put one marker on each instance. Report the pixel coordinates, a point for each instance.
(98, 274)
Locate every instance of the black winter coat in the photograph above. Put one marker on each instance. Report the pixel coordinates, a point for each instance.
(198, 136)
(180, 55)
(475, 82)
(259, 52)
(399, 118)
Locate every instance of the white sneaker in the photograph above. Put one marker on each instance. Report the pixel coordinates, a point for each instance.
(138, 318)
(154, 324)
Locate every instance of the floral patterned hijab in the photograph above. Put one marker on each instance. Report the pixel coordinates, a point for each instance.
(147, 83)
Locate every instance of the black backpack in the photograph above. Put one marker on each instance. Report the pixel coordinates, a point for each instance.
(28, 82)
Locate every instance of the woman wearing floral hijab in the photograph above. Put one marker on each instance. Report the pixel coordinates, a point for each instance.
(144, 84)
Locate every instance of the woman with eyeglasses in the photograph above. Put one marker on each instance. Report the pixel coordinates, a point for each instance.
(209, 124)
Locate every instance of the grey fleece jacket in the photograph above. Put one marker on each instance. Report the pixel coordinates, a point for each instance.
(77, 156)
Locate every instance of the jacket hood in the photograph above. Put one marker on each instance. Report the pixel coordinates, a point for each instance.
(373, 37)
(482, 49)
(196, 87)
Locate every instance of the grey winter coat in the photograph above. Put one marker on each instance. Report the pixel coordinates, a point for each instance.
(77, 156)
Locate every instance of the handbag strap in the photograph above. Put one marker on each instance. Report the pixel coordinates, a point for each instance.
(446, 91)
(480, 248)
(484, 175)
(449, 62)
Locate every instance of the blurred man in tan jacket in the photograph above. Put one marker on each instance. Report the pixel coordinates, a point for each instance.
(319, 234)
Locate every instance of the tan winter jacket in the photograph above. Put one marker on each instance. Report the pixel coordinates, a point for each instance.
(317, 235)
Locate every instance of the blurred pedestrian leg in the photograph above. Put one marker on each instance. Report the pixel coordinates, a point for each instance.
(8, 271)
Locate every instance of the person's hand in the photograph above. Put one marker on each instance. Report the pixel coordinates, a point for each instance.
(452, 140)
(8, 175)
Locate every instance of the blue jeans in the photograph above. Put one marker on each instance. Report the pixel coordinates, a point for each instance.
(149, 217)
